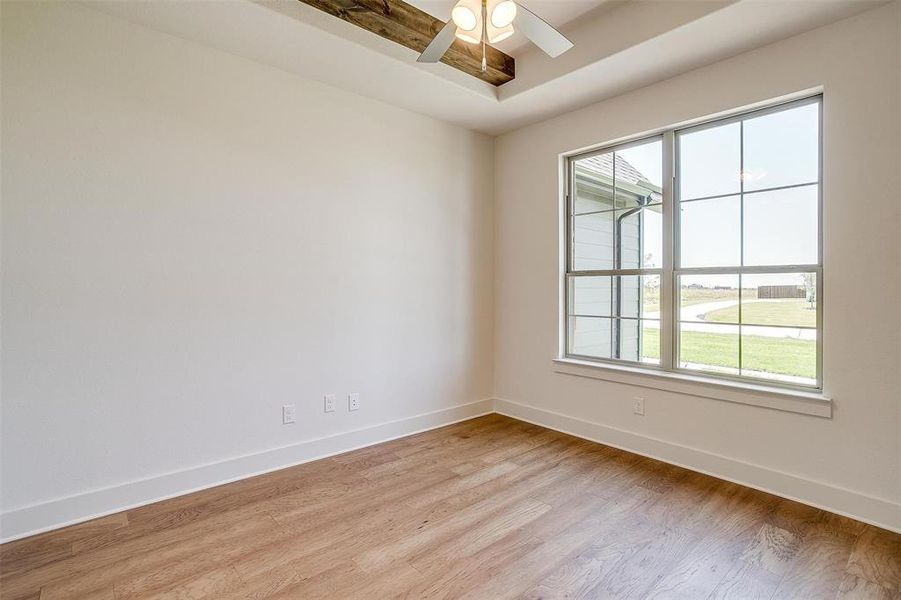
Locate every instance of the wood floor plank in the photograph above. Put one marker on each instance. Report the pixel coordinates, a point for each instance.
(457, 485)
(265, 585)
(651, 535)
(210, 585)
(572, 563)
(312, 540)
(722, 540)
(876, 557)
(327, 584)
(464, 576)
(856, 588)
(461, 577)
(481, 535)
(314, 480)
(674, 527)
(139, 571)
(762, 565)
(819, 567)
(443, 455)
(487, 508)
(45, 548)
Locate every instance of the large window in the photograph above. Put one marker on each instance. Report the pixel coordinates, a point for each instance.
(698, 250)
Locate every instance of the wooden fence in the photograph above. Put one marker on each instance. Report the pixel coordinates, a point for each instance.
(781, 291)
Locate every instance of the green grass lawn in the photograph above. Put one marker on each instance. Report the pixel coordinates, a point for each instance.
(783, 312)
(784, 356)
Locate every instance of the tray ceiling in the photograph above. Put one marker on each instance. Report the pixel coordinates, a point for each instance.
(619, 46)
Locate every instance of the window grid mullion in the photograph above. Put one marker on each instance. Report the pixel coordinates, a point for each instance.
(615, 281)
(615, 273)
(667, 317)
(741, 230)
(752, 270)
(751, 192)
(570, 218)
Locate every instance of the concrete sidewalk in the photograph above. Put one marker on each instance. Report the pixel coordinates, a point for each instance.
(692, 320)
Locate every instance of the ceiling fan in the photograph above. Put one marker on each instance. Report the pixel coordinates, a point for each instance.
(471, 23)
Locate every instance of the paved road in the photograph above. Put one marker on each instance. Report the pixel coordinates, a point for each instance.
(695, 312)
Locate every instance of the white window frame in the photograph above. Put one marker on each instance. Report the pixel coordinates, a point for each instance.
(669, 294)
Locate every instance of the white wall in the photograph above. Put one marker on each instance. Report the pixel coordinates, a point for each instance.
(191, 240)
(851, 462)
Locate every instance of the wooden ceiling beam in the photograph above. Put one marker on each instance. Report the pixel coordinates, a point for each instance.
(408, 26)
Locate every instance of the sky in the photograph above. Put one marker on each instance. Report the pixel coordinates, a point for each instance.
(780, 226)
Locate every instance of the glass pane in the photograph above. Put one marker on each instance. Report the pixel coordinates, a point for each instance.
(639, 175)
(593, 241)
(650, 296)
(782, 148)
(590, 336)
(781, 299)
(710, 233)
(594, 184)
(637, 340)
(782, 354)
(650, 342)
(781, 227)
(710, 162)
(628, 339)
(708, 347)
(639, 296)
(640, 235)
(592, 296)
(708, 298)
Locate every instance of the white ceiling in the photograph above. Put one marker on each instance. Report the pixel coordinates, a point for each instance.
(556, 12)
(620, 46)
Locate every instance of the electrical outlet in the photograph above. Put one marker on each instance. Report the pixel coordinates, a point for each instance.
(329, 403)
(639, 406)
(353, 401)
(289, 414)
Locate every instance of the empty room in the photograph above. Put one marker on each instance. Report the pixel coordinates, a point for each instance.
(483, 299)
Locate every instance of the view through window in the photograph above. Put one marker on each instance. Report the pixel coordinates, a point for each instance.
(717, 273)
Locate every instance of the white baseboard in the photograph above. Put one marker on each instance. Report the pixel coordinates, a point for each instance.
(876, 511)
(78, 508)
(70, 510)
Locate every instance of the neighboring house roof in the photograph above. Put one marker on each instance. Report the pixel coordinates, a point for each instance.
(599, 168)
(602, 164)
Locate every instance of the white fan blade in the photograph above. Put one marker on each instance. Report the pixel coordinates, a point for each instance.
(540, 32)
(439, 44)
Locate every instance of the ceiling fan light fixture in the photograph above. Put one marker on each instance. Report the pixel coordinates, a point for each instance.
(470, 37)
(464, 15)
(499, 34)
(491, 21)
(503, 14)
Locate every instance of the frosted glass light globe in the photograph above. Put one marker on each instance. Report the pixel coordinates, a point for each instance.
(503, 14)
(464, 18)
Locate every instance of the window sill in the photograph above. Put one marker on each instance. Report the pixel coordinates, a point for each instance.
(806, 403)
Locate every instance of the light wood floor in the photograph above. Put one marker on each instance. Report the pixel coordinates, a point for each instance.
(489, 508)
